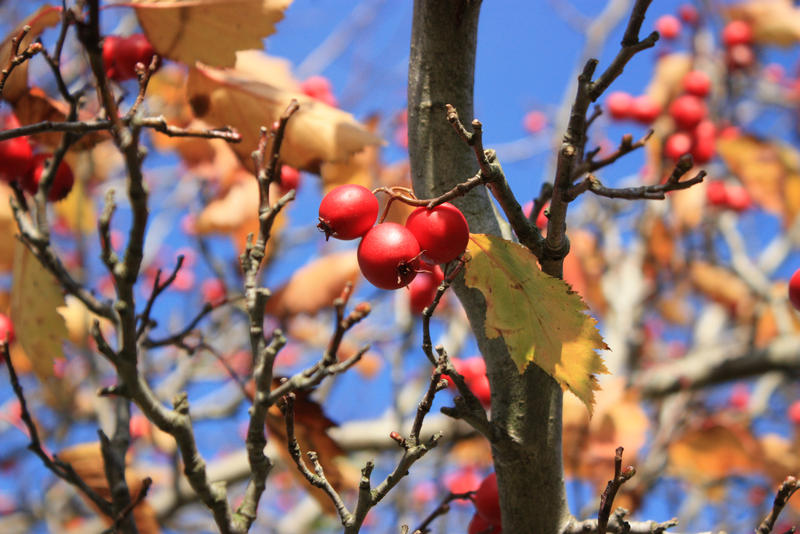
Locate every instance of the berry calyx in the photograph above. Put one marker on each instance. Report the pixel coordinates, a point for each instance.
(121, 54)
(620, 105)
(668, 26)
(687, 111)
(737, 32)
(479, 525)
(388, 256)
(6, 329)
(347, 212)
(487, 501)
(794, 289)
(697, 83)
(442, 232)
(422, 290)
(62, 182)
(645, 109)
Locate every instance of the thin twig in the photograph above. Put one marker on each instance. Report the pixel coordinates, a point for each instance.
(785, 492)
(607, 498)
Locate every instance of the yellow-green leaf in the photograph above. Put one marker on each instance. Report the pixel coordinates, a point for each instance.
(539, 317)
(35, 297)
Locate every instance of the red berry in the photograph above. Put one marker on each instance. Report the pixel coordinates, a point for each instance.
(737, 32)
(688, 14)
(740, 397)
(794, 289)
(677, 145)
(794, 412)
(121, 54)
(534, 121)
(645, 109)
(717, 194)
(705, 141)
(422, 289)
(463, 481)
(481, 389)
(687, 111)
(487, 501)
(738, 198)
(6, 329)
(213, 290)
(347, 212)
(668, 26)
(479, 525)
(290, 178)
(388, 256)
(320, 88)
(15, 154)
(620, 105)
(62, 183)
(740, 56)
(442, 232)
(697, 83)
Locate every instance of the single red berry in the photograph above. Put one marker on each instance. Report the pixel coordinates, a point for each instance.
(479, 525)
(668, 26)
(645, 110)
(677, 145)
(534, 121)
(320, 88)
(697, 83)
(740, 397)
(687, 111)
(737, 32)
(422, 289)
(472, 368)
(620, 105)
(738, 198)
(689, 14)
(705, 142)
(794, 412)
(62, 182)
(459, 365)
(740, 57)
(6, 329)
(290, 178)
(717, 194)
(16, 155)
(463, 481)
(213, 290)
(794, 289)
(481, 389)
(121, 54)
(347, 212)
(442, 232)
(388, 256)
(487, 501)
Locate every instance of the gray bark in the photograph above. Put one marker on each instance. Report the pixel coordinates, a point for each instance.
(526, 409)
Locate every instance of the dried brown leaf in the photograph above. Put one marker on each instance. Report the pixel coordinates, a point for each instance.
(182, 30)
(8, 228)
(724, 287)
(314, 286)
(17, 83)
(317, 132)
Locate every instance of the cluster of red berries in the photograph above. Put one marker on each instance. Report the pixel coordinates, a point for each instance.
(21, 165)
(121, 54)
(728, 196)
(695, 134)
(487, 508)
(474, 372)
(737, 36)
(643, 109)
(391, 255)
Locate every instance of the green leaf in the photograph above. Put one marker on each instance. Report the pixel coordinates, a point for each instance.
(540, 318)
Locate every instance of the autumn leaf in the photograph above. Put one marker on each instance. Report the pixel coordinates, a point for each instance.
(36, 106)
(723, 286)
(87, 461)
(769, 171)
(17, 83)
(316, 133)
(361, 168)
(182, 30)
(35, 297)
(774, 22)
(315, 285)
(8, 227)
(540, 318)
